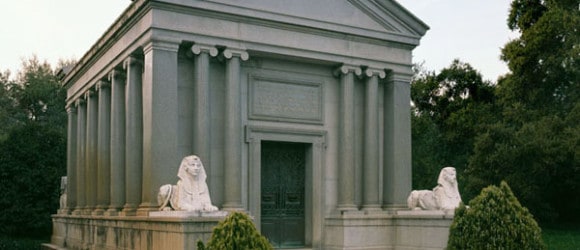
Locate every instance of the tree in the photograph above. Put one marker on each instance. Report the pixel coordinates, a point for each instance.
(545, 59)
(32, 148)
(494, 220)
(448, 110)
(535, 142)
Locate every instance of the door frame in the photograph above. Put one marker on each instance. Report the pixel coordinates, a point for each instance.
(315, 141)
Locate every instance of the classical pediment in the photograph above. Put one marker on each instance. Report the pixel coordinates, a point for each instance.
(383, 19)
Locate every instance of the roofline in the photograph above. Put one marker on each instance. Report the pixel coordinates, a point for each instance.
(105, 39)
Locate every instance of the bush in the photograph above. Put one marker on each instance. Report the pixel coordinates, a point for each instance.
(236, 232)
(494, 220)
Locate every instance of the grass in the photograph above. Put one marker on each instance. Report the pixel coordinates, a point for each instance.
(565, 238)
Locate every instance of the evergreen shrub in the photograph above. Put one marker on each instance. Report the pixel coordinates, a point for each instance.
(236, 232)
(494, 220)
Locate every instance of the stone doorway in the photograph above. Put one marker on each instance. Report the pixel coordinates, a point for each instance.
(283, 175)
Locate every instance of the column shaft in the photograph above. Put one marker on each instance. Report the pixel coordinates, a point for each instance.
(71, 189)
(134, 135)
(233, 131)
(160, 149)
(80, 164)
(397, 163)
(117, 160)
(91, 155)
(201, 113)
(346, 163)
(371, 146)
(104, 148)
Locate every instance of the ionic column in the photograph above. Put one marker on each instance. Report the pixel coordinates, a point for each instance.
(397, 149)
(104, 148)
(371, 141)
(71, 155)
(160, 144)
(233, 131)
(201, 105)
(346, 164)
(134, 135)
(91, 152)
(80, 153)
(117, 182)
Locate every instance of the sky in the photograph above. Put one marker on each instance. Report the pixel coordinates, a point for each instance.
(471, 30)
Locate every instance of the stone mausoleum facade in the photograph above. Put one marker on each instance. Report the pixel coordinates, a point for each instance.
(299, 110)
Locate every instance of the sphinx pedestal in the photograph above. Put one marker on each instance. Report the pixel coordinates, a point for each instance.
(134, 232)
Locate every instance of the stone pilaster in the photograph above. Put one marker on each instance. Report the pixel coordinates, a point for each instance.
(397, 135)
(371, 141)
(71, 189)
(233, 130)
(160, 149)
(346, 164)
(80, 153)
(103, 148)
(201, 110)
(91, 152)
(134, 135)
(117, 160)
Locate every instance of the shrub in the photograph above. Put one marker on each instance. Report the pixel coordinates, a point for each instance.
(494, 220)
(236, 232)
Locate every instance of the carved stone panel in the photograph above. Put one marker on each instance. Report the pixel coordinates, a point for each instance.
(285, 99)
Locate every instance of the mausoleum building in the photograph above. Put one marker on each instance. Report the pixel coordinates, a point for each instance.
(299, 110)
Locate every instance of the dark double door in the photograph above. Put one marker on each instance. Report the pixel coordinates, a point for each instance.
(282, 188)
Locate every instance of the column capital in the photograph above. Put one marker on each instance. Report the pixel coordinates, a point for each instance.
(115, 73)
(102, 84)
(369, 72)
(89, 93)
(71, 109)
(80, 101)
(198, 48)
(231, 52)
(132, 60)
(348, 68)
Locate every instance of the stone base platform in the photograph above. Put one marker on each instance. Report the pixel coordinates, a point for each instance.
(408, 230)
(132, 232)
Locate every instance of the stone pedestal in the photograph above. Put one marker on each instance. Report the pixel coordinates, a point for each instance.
(134, 232)
(409, 230)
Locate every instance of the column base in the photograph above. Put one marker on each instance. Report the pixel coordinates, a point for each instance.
(347, 207)
(145, 208)
(112, 211)
(77, 211)
(128, 210)
(373, 207)
(98, 212)
(233, 207)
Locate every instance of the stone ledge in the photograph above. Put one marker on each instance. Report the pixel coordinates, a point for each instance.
(188, 214)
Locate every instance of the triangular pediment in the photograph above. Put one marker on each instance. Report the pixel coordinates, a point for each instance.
(374, 16)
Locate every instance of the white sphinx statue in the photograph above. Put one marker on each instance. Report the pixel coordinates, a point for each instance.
(445, 196)
(191, 192)
(63, 196)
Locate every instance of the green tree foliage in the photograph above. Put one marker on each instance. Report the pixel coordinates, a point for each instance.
(494, 220)
(236, 232)
(545, 59)
(32, 148)
(535, 142)
(449, 109)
